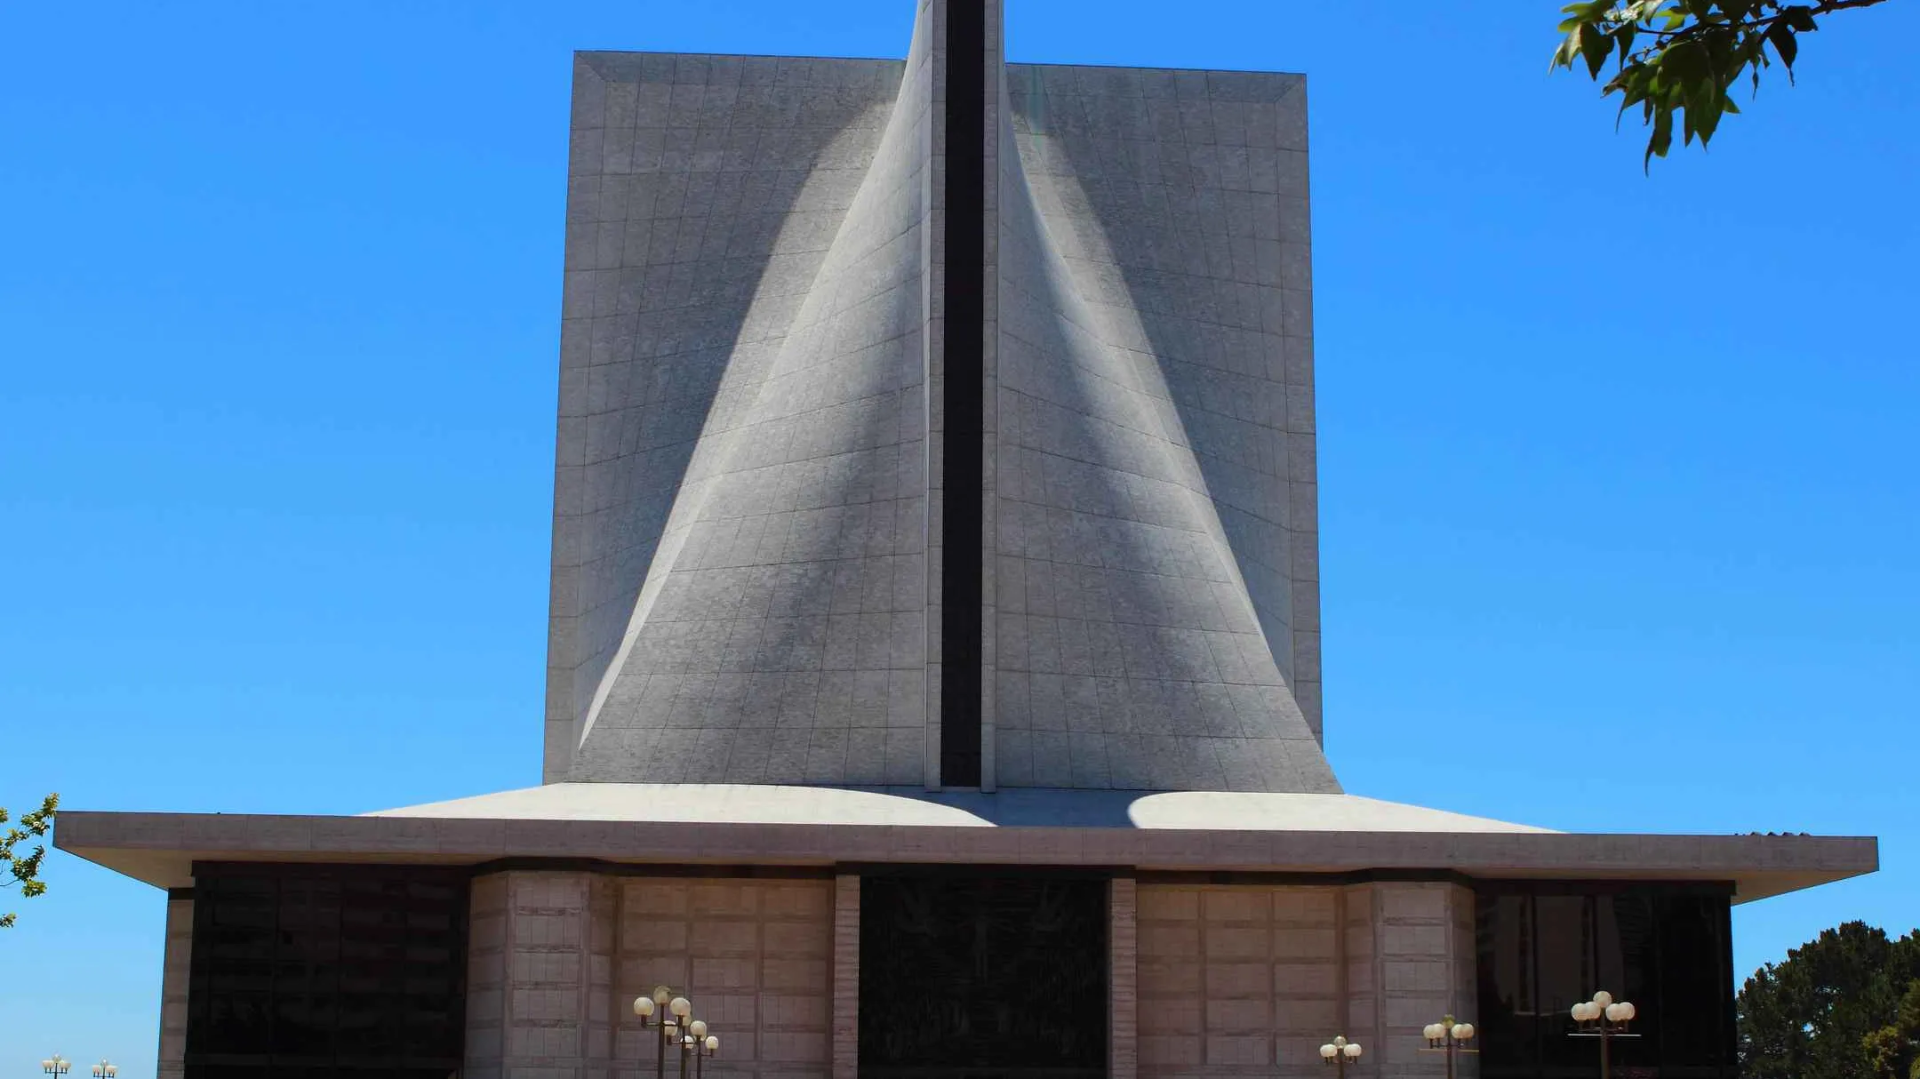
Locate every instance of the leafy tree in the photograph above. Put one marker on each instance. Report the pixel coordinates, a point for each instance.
(23, 870)
(1894, 1050)
(1684, 55)
(1833, 1009)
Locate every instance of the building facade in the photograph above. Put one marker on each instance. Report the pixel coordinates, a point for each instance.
(934, 658)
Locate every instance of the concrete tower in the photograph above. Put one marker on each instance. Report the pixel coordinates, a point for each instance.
(944, 423)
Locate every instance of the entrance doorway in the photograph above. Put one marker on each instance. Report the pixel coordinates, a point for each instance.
(967, 976)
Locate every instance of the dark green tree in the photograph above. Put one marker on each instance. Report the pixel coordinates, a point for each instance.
(1894, 1050)
(1825, 1011)
(19, 870)
(1684, 56)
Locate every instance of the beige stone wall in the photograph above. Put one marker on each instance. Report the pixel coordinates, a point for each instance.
(1409, 961)
(555, 960)
(539, 966)
(1233, 979)
(1207, 979)
(1359, 974)
(846, 976)
(175, 965)
(1252, 979)
(755, 957)
(1123, 972)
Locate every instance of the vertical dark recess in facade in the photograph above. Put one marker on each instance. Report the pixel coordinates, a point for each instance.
(965, 976)
(1544, 945)
(313, 971)
(963, 346)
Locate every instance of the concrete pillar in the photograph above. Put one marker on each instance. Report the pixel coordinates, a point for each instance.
(1123, 970)
(1410, 960)
(539, 970)
(846, 976)
(1464, 961)
(1359, 968)
(176, 964)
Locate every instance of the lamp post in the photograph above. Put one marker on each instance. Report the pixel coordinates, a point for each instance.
(105, 1070)
(1604, 1018)
(1340, 1052)
(708, 1047)
(694, 1043)
(677, 1010)
(1448, 1037)
(56, 1065)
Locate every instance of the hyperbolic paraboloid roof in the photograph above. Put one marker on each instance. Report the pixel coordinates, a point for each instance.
(889, 458)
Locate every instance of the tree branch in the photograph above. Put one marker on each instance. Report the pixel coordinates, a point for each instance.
(1822, 8)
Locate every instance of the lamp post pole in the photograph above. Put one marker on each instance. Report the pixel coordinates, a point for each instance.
(693, 1043)
(1448, 1037)
(709, 1046)
(1340, 1052)
(1606, 1019)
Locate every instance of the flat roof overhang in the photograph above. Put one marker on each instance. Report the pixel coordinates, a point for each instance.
(161, 848)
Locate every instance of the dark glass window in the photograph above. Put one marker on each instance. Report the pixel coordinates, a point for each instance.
(1694, 982)
(965, 977)
(327, 970)
(1544, 946)
(1509, 999)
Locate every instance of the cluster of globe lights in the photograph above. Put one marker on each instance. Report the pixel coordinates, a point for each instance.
(1339, 1047)
(679, 1008)
(59, 1065)
(1602, 1004)
(1438, 1033)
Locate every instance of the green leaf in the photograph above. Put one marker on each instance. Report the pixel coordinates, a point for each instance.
(1586, 12)
(1780, 35)
(1798, 16)
(1661, 139)
(1683, 61)
(1624, 38)
(1708, 120)
(1596, 48)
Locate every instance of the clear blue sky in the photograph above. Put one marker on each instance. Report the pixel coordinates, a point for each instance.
(1620, 511)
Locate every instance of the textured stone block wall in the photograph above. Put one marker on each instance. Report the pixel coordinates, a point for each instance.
(1233, 979)
(1123, 969)
(846, 976)
(754, 956)
(1252, 979)
(539, 966)
(1409, 961)
(175, 966)
(556, 959)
